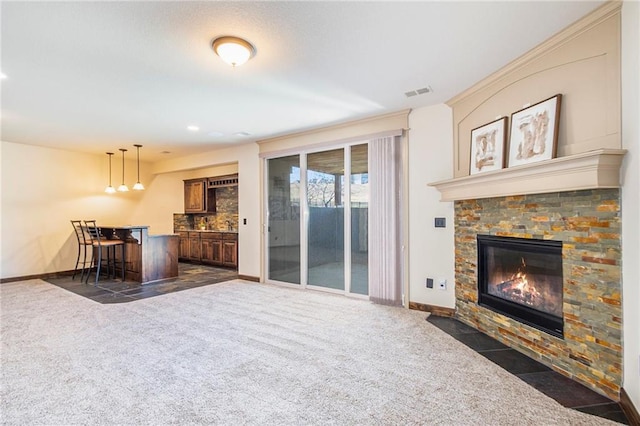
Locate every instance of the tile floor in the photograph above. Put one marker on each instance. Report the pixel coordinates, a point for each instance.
(116, 291)
(567, 392)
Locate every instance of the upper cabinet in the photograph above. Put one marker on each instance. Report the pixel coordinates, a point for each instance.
(200, 194)
(195, 196)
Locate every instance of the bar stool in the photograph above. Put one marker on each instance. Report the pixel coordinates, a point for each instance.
(84, 245)
(98, 242)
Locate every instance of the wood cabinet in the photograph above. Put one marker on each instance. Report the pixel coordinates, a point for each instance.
(194, 246)
(183, 248)
(230, 250)
(211, 248)
(195, 196)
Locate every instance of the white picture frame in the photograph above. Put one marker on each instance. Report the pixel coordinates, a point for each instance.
(534, 132)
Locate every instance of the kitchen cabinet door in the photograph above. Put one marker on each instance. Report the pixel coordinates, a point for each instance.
(194, 246)
(195, 196)
(212, 248)
(230, 253)
(183, 248)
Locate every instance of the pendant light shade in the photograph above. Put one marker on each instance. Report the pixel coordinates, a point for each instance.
(123, 187)
(110, 189)
(138, 186)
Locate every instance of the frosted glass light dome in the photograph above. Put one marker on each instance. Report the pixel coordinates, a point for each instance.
(233, 50)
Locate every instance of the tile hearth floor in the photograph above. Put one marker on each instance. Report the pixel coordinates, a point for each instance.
(565, 391)
(116, 291)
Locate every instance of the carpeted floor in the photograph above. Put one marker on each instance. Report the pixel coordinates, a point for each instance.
(247, 353)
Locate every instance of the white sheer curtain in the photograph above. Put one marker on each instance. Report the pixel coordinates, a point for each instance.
(385, 232)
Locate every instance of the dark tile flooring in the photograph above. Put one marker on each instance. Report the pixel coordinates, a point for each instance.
(116, 291)
(567, 392)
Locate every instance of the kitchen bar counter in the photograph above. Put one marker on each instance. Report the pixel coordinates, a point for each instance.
(147, 257)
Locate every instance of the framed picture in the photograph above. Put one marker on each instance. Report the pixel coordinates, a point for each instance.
(534, 132)
(487, 146)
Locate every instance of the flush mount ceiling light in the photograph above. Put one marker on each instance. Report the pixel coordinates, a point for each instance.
(233, 50)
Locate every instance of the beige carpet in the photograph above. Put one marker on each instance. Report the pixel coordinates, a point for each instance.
(246, 353)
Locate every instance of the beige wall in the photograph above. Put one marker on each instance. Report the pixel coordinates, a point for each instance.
(431, 252)
(42, 190)
(582, 63)
(631, 199)
(243, 159)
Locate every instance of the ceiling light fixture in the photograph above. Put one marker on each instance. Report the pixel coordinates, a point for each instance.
(193, 128)
(123, 187)
(233, 50)
(138, 186)
(110, 189)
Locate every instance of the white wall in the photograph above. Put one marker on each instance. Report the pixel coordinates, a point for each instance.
(630, 199)
(42, 190)
(431, 250)
(169, 176)
(164, 196)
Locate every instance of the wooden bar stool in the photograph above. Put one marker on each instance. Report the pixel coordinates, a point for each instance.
(98, 242)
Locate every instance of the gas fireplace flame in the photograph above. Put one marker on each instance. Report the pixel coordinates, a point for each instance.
(520, 286)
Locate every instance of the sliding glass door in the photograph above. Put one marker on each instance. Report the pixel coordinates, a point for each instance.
(317, 219)
(283, 224)
(325, 193)
(359, 196)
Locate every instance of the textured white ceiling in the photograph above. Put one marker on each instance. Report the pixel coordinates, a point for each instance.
(96, 76)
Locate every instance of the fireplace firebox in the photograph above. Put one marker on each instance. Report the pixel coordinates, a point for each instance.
(522, 279)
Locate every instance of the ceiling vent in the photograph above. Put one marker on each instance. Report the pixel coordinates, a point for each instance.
(417, 92)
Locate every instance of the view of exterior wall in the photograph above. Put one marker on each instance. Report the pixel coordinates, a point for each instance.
(588, 224)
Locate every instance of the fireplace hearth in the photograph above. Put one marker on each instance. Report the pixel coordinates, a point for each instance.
(522, 279)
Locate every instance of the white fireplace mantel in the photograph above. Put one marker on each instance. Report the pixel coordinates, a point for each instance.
(588, 170)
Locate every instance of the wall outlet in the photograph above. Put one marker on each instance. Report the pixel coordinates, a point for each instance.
(442, 283)
(429, 282)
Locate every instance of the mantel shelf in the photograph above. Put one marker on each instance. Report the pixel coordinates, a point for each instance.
(588, 170)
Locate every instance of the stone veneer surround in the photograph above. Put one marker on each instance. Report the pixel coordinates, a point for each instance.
(588, 223)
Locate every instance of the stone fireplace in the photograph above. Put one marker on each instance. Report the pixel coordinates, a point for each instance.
(588, 347)
(522, 279)
(573, 198)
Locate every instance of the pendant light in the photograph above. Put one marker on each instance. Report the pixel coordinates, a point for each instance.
(138, 186)
(110, 189)
(123, 187)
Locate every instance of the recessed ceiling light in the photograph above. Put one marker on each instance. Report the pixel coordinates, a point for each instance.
(193, 128)
(215, 134)
(242, 134)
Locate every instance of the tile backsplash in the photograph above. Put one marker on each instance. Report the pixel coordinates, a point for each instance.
(225, 217)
